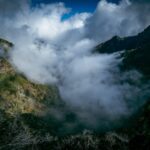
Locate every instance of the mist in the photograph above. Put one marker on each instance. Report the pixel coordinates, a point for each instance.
(49, 50)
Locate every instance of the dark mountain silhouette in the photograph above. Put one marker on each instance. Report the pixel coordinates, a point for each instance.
(118, 44)
(136, 50)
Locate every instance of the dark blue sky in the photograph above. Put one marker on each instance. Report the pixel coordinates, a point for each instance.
(76, 5)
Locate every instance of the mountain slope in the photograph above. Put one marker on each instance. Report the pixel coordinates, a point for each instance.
(17, 94)
(139, 59)
(136, 53)
(118, 44)
(23, 105)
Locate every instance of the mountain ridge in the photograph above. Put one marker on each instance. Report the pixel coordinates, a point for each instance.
(136, 51)
(117, 43)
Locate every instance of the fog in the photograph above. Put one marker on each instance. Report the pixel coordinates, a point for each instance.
(52, 51)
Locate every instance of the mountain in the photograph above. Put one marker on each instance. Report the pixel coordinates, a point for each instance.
(136, 51)
(26, 97)
(127, 43)
(30, 113)
(5, 43)
(23, 105)
(32, 116)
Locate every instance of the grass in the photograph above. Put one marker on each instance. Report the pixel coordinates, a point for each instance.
(18, 94)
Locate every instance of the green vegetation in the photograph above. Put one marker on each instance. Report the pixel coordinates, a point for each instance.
(18, 94)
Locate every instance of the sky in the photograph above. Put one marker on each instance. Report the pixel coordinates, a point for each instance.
(81, 5)
(77, 6)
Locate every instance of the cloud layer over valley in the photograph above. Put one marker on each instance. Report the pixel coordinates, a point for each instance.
(50, 50)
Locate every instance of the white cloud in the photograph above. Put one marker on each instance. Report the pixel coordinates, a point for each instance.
(111, 19)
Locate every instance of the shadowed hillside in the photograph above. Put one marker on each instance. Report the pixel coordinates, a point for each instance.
(127, 43)
(136, 53)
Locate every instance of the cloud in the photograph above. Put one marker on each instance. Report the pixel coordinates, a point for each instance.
(111, 19)
(11, 8)
(50, 50)
(140, 1)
